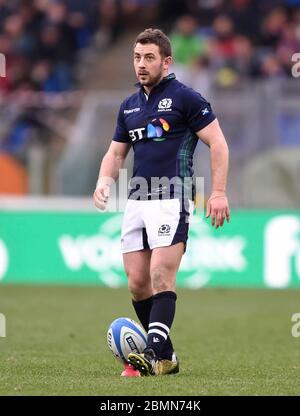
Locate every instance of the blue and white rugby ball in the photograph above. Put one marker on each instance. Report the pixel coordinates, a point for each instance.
(125, 336)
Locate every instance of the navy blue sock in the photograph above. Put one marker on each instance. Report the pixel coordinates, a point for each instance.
(160, 321)
(142, 309)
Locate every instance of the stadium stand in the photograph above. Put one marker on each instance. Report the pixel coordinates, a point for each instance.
(63, 82)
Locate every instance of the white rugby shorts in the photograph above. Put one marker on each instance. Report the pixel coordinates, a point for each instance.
(154, 223)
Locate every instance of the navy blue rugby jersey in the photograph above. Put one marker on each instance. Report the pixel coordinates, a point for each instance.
(162, 129)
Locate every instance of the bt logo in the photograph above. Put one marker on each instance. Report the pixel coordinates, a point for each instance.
(136, 134)
(154, 130)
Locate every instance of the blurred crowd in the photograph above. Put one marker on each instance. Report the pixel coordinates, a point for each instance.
(44, 43)
(229, 42)
(42, 39)
(215, 42)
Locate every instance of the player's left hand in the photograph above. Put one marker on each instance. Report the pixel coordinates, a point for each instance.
(218, 208)
(101, 195)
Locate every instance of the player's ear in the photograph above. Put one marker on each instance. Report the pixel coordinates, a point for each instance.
(168, 61)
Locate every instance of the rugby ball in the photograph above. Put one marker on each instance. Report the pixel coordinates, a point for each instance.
(125, 336)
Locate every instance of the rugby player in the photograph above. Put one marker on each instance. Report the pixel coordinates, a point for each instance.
(162, 121)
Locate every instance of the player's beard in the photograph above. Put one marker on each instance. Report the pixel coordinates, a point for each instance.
(153, 80)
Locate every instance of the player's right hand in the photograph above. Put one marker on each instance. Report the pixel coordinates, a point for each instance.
(101, 195)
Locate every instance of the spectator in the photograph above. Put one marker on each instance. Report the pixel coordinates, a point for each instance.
(288, 45)
(272, 28)
(186, 44)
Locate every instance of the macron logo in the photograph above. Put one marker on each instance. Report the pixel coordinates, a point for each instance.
(205, 111)
(133, 110)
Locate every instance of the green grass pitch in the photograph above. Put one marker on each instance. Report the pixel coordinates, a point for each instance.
(230, 342)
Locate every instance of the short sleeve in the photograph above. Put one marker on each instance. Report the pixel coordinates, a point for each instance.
(198, 111)
(121, 132)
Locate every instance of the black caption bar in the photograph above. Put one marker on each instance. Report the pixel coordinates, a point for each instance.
(97, 406)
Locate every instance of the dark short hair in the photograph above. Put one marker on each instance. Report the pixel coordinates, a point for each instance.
(157, 37)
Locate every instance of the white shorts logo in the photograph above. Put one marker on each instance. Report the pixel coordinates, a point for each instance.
(164, 229)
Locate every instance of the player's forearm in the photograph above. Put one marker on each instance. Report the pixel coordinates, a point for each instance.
(219, 166)
(109, 169)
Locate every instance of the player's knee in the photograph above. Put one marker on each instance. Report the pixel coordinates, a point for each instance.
(138, 286)
(161, 280)
(138, 292)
